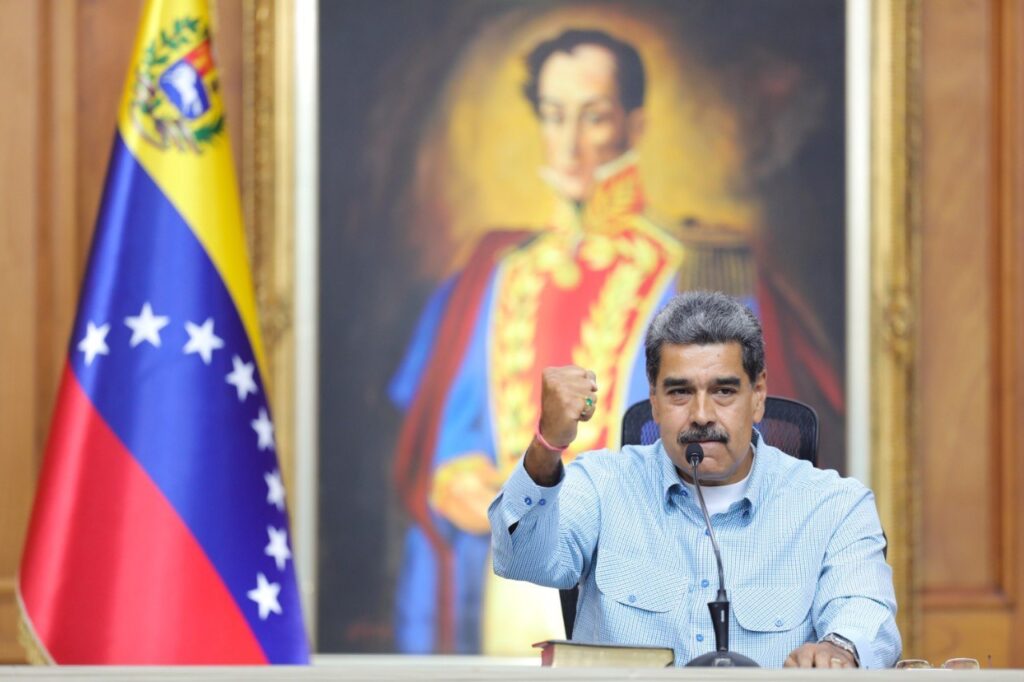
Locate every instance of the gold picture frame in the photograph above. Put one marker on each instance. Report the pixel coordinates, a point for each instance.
(269, 197)
(895, 238)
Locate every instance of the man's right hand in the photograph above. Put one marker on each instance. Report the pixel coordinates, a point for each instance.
(568, 396)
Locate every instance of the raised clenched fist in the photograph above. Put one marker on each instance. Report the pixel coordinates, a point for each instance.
(568, 396)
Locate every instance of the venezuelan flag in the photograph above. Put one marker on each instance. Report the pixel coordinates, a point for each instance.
(159, 533)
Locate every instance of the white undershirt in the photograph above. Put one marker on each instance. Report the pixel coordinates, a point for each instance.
(719, 498)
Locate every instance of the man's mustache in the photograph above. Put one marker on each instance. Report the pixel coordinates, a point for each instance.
(708, 434)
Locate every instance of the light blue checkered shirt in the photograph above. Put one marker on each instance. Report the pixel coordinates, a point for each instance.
(802, 553)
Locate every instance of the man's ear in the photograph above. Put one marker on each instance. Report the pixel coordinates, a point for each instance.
(636, 122)
(654, 405)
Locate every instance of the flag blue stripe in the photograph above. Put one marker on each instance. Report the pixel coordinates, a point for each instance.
(178, 416)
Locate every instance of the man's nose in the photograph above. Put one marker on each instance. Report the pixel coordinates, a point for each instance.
(569, 139)
(703, 409)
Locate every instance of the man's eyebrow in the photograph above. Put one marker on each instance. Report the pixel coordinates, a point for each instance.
(601, 99)
(680, 382)
(593, 101)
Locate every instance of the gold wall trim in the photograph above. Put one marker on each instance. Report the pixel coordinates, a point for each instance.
(895, 267)
(266, 202)
(269, 172)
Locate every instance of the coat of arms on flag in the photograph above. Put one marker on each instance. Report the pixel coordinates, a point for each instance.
(174, 87)
(160, 532)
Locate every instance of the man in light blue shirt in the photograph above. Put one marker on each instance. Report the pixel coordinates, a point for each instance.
(802, 547)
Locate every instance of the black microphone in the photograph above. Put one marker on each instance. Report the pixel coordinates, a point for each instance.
(694, 454)
(721, 657)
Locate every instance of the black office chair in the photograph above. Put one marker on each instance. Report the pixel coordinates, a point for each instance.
(788, 424)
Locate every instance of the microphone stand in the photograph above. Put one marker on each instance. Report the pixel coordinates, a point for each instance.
(721, 657)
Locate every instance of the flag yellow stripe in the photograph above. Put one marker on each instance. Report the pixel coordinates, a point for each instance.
(200, 185)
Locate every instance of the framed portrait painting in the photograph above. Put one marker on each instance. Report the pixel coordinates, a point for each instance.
(510, 185)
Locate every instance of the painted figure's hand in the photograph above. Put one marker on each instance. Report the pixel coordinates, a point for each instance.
(462, 490)
(568, 396)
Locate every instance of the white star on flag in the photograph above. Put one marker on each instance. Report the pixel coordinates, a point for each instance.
(265, 595)
(275, 489)
(264, 429)
(278, 546)
(95, 342)
(146, 326)
(202, 340)
(241, 377)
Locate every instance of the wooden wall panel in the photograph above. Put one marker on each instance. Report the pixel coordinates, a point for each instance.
(957, 303)
(20, 24)
(969, 383)
(60, 241)
(1011, 185)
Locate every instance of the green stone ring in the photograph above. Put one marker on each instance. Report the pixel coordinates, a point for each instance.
(588, 401)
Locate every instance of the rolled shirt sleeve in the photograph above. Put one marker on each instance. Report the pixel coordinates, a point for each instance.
(855, 597)
(545, 535)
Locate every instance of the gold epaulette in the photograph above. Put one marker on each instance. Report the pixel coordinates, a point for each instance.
(718, 258)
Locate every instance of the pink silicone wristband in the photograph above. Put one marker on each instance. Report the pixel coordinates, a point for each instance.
(546, 444)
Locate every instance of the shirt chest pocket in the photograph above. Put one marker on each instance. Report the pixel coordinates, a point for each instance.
(773, 609)
(638, 584)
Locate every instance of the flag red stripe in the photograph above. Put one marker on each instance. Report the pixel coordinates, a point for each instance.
(110, 572)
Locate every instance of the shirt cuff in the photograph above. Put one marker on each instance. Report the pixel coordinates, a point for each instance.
(865, 651)
(521, 494)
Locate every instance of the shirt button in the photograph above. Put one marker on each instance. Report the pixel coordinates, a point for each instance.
(686, 493)
(542, 501)
(704, 583)
(528, 501)
(700, 638)
(778, 623)
(706, 532)
(632, 598)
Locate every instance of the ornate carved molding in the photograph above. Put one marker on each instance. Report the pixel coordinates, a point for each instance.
(896, 125)
(266, 199)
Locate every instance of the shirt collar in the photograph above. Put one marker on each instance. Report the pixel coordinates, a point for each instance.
(756, 491)
(669, 475)
(758, 487)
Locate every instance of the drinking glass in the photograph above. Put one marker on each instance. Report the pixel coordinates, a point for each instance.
(912, 664)
(962, 664)
(951, 664)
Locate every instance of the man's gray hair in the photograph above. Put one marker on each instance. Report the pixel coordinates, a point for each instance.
(705, 318)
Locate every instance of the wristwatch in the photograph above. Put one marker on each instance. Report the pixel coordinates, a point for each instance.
(844, 644)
